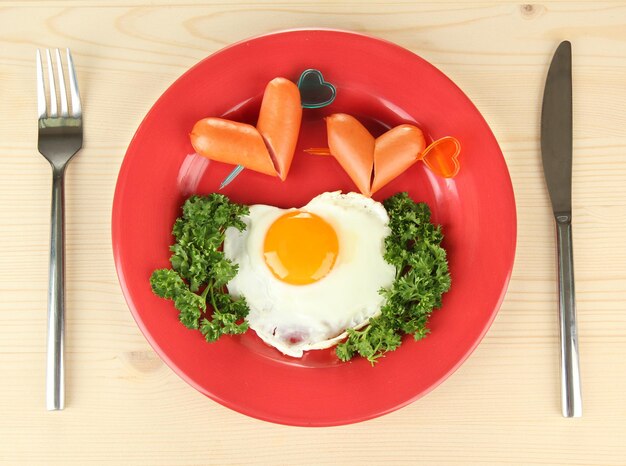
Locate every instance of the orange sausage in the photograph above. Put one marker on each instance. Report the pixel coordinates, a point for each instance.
(353, 147)
(394, 152)
(279, 122)
(232, 142)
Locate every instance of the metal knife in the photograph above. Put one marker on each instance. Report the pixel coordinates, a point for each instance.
(556, 151)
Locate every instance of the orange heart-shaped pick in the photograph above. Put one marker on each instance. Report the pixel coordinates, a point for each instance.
(442, 157)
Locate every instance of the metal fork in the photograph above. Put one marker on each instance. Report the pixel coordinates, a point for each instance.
(60, 137)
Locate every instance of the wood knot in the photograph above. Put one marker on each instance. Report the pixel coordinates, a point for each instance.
(531, 11)
(142, 361)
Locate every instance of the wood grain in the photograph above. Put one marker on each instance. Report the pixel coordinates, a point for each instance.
(124, 406)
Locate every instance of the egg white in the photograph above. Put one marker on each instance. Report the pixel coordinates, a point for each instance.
(298, 318)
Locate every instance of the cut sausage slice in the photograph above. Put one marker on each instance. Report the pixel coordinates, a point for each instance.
(353, 147)
(232, 142)
(394, 152)
(279, 122)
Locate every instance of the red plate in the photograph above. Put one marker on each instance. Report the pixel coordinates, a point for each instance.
(383, 85)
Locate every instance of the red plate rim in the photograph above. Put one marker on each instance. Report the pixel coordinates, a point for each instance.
(295, 419)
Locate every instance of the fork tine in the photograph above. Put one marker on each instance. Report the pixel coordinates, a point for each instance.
(61, 83)
(76, 108)
(53, 93)
(41, 90)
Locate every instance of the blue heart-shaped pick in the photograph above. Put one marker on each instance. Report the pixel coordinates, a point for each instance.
(314, 91)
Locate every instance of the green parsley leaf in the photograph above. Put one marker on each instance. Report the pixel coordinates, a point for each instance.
(422, 276)
(199, 264)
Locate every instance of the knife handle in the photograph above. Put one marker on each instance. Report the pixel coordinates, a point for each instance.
(571, 396)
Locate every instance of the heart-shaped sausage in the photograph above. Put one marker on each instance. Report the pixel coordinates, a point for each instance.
(314, 91)
(268, 148)
(372, 163)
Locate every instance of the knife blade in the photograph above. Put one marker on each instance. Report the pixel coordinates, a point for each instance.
(556, 130)
(556, 151)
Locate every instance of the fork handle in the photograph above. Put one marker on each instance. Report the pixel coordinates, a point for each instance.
(571, 397)
(55, 389)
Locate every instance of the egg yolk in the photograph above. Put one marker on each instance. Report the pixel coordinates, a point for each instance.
(300, 248)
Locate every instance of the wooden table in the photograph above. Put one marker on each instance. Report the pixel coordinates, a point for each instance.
(124, 406)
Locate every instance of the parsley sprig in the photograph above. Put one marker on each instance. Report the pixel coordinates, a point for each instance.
(414, 248)
(200, 270)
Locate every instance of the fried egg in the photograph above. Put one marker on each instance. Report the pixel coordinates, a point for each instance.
(311, 273)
